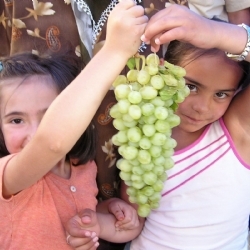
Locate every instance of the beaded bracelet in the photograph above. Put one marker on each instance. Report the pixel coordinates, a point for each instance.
(246, 49)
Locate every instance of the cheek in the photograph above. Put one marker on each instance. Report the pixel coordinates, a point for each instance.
(220, 109)
(13, 141)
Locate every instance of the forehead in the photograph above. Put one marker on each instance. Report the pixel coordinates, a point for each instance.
(19, 83)
(26, 87)
(215, 70)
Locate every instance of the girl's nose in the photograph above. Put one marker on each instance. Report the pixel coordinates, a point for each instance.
(202, 104)
(31, 130)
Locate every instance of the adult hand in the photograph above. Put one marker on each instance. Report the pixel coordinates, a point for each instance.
(83, 230)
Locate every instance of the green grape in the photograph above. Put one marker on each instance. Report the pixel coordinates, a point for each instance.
(122, 91)
(157, 101)
(170, 80)
(149, 178)
(167, 152)
(160, 160)
(133, 144)
(121, 79)
(155, 197)
(180, 97)
(162, 126)
(134, 134)
(170, 144)
(163, 177)
(168, 102)
(154, 205)
(144, 210)
(131, 191)
(136, 178)
(136, 86)
(132, 199)
(130, 152)
(158, 170)
(148, 129)
(158, 186)
(144, 117)
(123, 106)
(132, 75)
(124, 165)
(152, 59)
(119, 124)
(137, 170)
(158, 139)
(134, 97)
(134, 111)
(141, 198)
(147, 109)
(130, 124)
(155, 151)
(148, 92)
(147, 167)
(138, 184)
(134, 162)
(122, 136)
(174, 120)
(121, 148)
(114, 112)
(152, 69)
(157, 82)
(151, 119)
(144, 156)
(161, 113)
(148, 190)
(143, 77)
(169, 163)
(115, 140)
(181, 83)
(125, 176)
(145, 143)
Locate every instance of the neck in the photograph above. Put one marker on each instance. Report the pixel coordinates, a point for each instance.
(185, 139)
(62, 169)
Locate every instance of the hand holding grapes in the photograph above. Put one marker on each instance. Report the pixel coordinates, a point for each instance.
(179, 23)
(125, 16)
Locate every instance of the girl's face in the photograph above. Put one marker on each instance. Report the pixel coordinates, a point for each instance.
(212, 81)
(22, 107)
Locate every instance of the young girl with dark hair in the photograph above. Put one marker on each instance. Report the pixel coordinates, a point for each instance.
(47, 174)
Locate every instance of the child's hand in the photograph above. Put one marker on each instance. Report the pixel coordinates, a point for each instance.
(179, 23)
(83, 230)
(125, 26)
(125, 214)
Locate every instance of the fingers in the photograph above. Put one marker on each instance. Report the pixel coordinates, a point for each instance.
(88, 243)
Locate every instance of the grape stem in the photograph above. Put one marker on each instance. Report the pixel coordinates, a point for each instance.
(139, 57)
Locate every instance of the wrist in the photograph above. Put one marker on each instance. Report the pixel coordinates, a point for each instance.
(245, 52)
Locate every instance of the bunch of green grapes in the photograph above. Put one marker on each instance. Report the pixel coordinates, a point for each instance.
(144, 117)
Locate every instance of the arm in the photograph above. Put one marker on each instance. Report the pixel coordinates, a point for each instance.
(179, 23)
(125, 215)
(241, 16)
(85, 228)
(44, 151)
(84, 233)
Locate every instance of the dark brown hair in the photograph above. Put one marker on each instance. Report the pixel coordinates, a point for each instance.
(62, 69)
(181, 53)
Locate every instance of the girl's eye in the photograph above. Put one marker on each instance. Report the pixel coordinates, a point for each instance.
(221, 95)
(191, 87)
(16, 121)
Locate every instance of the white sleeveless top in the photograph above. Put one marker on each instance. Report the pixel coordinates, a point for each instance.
(205, 203)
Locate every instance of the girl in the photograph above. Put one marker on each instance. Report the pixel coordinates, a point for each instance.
(47, 174)
(205, 201)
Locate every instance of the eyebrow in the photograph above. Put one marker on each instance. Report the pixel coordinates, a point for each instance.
(19, 113)
(200, 85)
